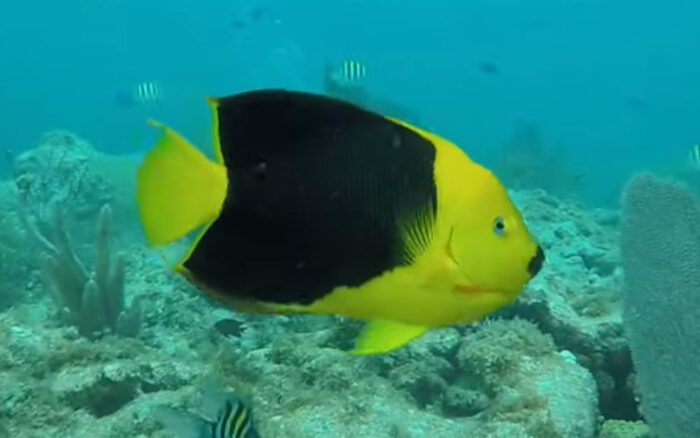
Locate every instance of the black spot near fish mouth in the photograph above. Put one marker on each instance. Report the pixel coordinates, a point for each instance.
(536, 262)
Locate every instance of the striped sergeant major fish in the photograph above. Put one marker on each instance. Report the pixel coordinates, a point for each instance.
(224, 415)
(349, 72)
(140, 94)
(353, 70)
(694, 156)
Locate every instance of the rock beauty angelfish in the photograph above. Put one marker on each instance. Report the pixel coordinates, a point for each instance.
(315, 205)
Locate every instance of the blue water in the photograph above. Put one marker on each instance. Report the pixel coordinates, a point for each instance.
(616, 81)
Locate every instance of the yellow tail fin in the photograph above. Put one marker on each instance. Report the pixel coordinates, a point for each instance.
(380, 336)
(177, 188)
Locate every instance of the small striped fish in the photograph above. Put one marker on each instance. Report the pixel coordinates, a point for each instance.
(234, 422)
(232, 419)
(146, 92)
(353, 70)
(350, 72)
(143, 93)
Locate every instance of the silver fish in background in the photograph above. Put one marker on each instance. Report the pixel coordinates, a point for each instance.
(147, 92)
(224, 416)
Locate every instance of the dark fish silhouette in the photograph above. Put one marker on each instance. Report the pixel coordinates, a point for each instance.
(489, 68)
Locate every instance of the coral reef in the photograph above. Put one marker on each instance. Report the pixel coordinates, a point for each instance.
(554, 364)
(66, 171)
(535, 388)
(18, 280)
(59, 172)
(624, 429)
(576, 298)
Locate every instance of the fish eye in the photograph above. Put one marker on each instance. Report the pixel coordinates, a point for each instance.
(499, 225)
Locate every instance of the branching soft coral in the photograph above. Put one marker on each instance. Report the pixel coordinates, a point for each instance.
(92, 302)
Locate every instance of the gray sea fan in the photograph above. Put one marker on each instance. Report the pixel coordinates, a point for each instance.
(661, 252)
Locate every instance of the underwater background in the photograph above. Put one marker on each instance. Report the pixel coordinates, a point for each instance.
(569, 102)
(613, 82)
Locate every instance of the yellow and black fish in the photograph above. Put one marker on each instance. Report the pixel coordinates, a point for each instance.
(315, 205)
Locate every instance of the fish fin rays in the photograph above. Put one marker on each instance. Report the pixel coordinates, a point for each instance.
(382, 336)
(177, 188)
(416, 234)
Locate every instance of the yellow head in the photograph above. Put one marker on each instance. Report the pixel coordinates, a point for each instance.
(490, 249)
(489, 241)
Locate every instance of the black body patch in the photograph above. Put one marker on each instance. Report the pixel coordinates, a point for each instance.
(320, 193)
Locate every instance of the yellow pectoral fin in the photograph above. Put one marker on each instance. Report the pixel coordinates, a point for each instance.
(177, 188)
(382, 336)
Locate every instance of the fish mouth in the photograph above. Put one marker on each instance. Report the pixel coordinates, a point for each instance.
(536, 262)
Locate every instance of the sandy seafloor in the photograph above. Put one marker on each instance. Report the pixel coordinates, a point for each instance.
(555, 364)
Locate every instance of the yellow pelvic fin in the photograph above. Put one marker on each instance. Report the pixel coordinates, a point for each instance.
(381, 336)
(177, 188)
